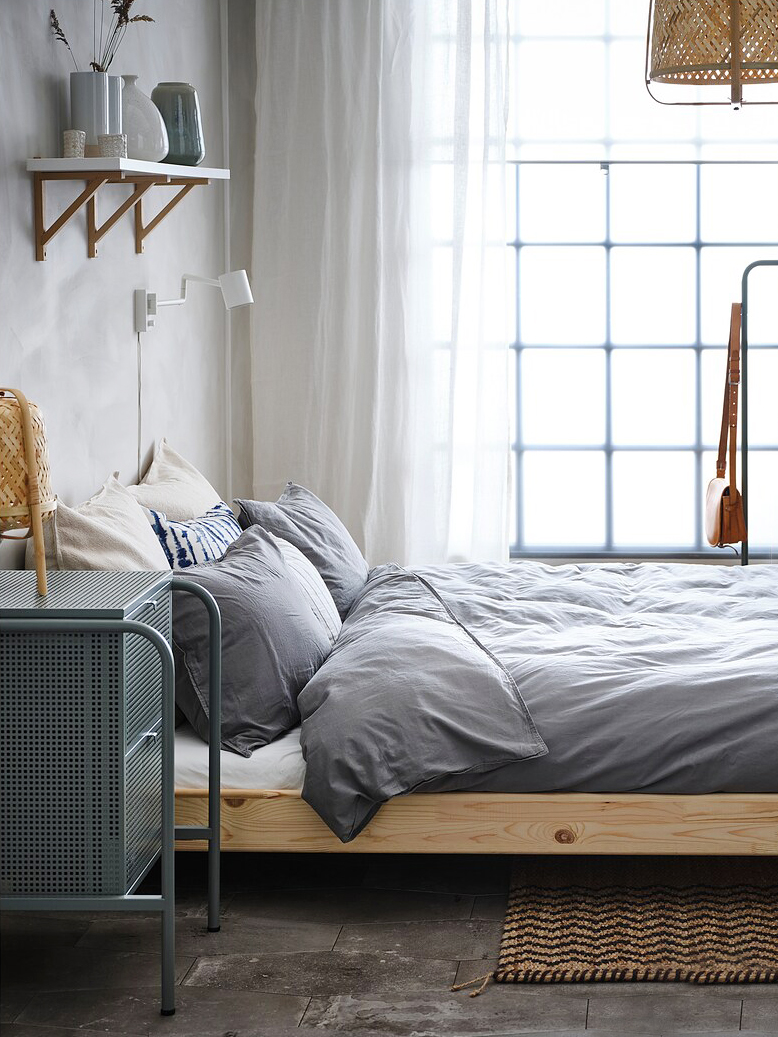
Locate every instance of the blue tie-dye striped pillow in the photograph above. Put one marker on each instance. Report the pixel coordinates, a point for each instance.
(204, 539)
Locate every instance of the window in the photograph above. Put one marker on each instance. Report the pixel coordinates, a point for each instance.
(631, 227)
(625, 275)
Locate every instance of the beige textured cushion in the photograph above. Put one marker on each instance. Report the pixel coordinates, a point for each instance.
(109, 531)
(174, 486)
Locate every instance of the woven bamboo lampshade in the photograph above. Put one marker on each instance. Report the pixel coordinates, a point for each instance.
(26, 500)
(709, 42)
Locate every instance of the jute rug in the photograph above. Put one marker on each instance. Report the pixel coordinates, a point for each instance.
(640, 919)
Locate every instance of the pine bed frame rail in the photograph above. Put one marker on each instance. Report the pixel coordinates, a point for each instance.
(726, 824)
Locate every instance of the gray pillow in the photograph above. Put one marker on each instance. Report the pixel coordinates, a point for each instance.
(301, 518)
(272, 643)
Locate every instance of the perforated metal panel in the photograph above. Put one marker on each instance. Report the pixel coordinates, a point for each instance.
(142, 668)
(143, 805)
(79, 793)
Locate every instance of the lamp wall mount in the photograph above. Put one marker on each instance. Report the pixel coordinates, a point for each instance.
(145, 310)
(234, 286)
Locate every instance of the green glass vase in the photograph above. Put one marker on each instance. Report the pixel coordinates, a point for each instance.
(180, 109)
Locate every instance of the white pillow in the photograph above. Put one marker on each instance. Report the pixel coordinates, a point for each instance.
(315, 589)
(175, 487)
(109, 531)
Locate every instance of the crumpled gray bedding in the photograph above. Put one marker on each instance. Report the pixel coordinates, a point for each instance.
(637, 677)
(406, 697)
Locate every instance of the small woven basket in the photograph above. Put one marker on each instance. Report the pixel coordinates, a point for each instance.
(26, 499)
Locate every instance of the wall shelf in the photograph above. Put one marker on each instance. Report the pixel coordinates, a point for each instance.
(97, 172)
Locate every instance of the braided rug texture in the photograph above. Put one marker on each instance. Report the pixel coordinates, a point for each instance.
(628, 919)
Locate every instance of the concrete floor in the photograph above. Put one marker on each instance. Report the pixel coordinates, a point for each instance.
(315, 944)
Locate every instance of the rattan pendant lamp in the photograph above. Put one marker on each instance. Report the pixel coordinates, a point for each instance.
(705, 43)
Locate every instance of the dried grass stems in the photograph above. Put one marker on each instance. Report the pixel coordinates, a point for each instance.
(106, 44)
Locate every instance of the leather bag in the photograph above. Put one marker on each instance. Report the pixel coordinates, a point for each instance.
(724, 519)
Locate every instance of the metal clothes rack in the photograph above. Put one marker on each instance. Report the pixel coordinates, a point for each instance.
(744, 391)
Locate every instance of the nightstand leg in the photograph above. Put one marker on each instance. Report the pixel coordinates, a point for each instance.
(214, 764)
(213, 830)
(168, 844)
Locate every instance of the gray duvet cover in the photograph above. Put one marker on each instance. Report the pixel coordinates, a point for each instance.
(637, 677)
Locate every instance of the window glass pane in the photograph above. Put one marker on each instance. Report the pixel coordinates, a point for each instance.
(653, 393)
(712, 371)
(560, 91)
(561, 18)
(514, 391)
(562, 203)
(653, 203)
(653, 297)
(739, 203)
(441, 201)
(721, 125)
(563, 396)
(441, 411)
(763, 303)
(514, 490)
(512, 177)
(762, 396)
(721, 271)
(763, 500)
(489, 316)
(553, 151)
(633, 115)
(439, 58)
(638, 518)
(551, 480)
(562, 295)
(442, 259)
(627, 19)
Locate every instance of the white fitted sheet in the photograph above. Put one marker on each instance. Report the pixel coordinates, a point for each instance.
(279, 765)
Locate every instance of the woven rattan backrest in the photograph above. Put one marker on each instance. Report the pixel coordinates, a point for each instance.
(17, 491)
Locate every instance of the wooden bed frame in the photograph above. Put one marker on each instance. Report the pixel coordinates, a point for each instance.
(467, 822)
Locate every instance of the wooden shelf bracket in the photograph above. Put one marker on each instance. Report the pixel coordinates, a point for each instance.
(135, 177)
(43, 234)
(94, 233)
(141, 231)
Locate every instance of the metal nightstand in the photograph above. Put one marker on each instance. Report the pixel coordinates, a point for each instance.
(86, 746)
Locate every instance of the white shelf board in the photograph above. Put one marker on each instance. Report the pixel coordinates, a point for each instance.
(84, 166)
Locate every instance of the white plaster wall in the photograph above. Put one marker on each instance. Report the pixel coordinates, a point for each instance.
(66, 324)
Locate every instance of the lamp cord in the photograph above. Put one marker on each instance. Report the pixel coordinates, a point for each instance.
(140, 400)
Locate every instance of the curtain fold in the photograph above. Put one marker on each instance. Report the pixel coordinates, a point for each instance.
(379, 335)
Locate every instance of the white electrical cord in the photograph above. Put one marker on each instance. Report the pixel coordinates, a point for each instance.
(140, 400)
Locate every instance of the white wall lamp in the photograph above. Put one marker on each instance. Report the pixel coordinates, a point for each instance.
(235, 289)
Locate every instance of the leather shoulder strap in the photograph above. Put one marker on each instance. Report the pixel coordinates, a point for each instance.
(734, 390)
(731, 383)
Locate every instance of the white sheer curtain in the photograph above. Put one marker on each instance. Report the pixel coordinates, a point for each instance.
(379, 355)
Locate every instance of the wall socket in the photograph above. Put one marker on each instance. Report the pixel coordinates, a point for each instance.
(145, 309)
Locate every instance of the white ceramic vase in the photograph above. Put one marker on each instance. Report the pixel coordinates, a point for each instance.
(114, 104)
(142, 122)
(89, 105)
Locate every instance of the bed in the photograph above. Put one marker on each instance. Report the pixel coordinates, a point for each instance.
(653, 687)
(642, 700)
